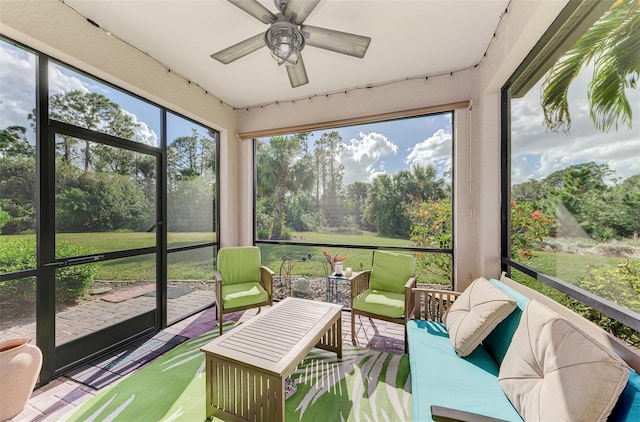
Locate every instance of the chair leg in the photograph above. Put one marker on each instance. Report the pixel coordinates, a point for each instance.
(220, 319)
(406, 341)
(353, 327)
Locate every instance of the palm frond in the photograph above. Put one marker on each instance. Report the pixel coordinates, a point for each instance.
(611, 45)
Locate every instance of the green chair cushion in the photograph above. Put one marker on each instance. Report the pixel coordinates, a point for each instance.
(239, 264)
(380, 303)
(391, 271)
(439, 377)
(243, 294)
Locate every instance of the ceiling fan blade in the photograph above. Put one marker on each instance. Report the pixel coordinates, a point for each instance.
(255, 9)
(237, 51)
(337, 41)
(297, 73)
(302, 9)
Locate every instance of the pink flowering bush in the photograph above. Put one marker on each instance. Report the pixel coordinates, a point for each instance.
(529, 227)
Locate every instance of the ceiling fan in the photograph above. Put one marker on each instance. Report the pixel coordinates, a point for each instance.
(287, 36)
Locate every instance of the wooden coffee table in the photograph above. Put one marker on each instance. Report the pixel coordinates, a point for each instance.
(246, 367)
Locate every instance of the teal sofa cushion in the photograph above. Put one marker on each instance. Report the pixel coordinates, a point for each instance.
(239, 264)
(498, 341)
(439, 377)
(391, 271)
(243, 294)
(628, 406)
(380, 303)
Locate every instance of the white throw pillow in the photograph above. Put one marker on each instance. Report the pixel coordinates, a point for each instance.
(478, 310)
(552, 371)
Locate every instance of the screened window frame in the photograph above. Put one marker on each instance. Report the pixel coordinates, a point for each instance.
(378, 118)
(106, 139)
(59, 358)
(575, 19)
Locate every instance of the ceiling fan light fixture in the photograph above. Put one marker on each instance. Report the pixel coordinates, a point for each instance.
(285, 41)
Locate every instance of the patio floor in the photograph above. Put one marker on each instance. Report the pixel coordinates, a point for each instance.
(62, 395)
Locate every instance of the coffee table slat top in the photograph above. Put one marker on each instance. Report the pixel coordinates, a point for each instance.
(278, 337)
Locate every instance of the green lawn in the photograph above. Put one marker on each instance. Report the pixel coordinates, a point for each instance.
(197, 264)
(565, 266)
(357, 259)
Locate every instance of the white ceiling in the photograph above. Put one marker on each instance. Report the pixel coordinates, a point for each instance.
(410, 38)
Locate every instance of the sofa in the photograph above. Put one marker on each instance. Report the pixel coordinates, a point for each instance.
(501, 351)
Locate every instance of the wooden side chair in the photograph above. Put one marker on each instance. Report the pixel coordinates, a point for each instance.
(384, 292)
(241, 282)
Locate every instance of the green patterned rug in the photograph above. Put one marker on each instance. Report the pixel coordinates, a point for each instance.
(367, 385)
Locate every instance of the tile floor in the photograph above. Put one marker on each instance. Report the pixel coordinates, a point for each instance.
(58, 399)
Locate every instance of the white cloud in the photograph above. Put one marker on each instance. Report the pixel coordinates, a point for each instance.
(143, 134)
(363, 157)
(538, 152)
(17, 87)
(17, 92)
(433, 151)
(59, 83)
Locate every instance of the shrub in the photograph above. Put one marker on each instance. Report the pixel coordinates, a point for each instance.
(19, 254)
(609, 324)
(73, 282)
(528, 227)
(286, 233)
(431, 228)
(619, 284)
(98, 202)
(4, 218)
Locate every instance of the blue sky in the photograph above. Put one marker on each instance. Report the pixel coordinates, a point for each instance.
(387, 147)
(376, 148)
(17, 97)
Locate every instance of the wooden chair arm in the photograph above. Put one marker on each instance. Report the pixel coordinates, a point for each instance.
(409, 298)
(359, 282)
(218, 288)
(446, 414)
(432, 304)
(266, 279)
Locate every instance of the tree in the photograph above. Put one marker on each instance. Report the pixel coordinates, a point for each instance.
(191, 155)
(357, 194)
(14, 143)
(582, 194)
(530, 191)
(91, 111)
(97, 202)
(432, 228)
(17, 193)
(586, 198)
(391, 198)
(327, 150)
(17, 181)
(283, 169)
(612, 46)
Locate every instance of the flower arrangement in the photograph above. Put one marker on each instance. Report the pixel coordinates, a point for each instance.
(332, 260)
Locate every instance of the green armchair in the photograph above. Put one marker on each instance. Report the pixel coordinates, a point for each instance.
(384, 292)
(241, 282)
